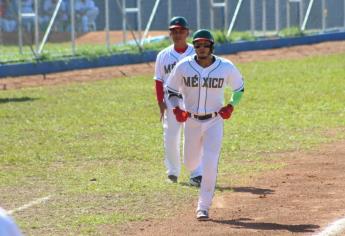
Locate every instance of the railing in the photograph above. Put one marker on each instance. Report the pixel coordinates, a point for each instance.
(66, 31)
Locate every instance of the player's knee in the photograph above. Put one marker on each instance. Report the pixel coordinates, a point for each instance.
(191, 164)
(172, 132)
(171, 139)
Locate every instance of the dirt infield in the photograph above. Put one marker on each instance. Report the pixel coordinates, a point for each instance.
(300, 199)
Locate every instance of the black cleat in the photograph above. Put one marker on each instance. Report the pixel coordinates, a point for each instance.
(195, 181)
(172, 179)
(202, 215)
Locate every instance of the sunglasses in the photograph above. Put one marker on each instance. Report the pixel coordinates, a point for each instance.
(204, 46)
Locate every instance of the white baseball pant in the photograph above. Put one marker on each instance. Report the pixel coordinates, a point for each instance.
(172, 136)
(202, 144)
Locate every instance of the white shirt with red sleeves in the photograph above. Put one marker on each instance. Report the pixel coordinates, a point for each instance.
(167, 59)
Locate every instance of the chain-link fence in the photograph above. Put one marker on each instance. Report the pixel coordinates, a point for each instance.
(43, 29)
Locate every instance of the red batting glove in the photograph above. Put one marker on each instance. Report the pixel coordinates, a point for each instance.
(181, 115)
(225, 112)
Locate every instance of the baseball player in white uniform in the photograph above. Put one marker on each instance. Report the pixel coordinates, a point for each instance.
(7, 225)
(165, 62)
(201, 79)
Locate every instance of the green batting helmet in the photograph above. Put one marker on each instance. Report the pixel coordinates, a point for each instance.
(203, 34)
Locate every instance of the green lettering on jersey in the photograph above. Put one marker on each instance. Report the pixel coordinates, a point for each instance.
(206, 82)
(221, 82)
(195, 81)
(186, 81)
(214, 82)
(168, 68)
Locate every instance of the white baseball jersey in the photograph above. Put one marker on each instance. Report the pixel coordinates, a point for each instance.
(166, 61)
(203, 88)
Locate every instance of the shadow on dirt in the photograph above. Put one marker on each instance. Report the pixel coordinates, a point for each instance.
(22, 99)
(253, 190)
(248, 223)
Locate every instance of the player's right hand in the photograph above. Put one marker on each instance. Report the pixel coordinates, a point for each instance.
(181, 115)
(162, 108)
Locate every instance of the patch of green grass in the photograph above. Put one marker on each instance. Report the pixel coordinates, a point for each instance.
(97, 147)
(221, 36)
(63, 51)
(291, 32)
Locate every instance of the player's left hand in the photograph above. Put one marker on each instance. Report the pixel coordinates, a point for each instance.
(181, 115)
(226, 111)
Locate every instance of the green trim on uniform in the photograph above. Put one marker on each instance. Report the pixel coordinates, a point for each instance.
(236, 97)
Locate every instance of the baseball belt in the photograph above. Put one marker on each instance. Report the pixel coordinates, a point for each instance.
(203, 117)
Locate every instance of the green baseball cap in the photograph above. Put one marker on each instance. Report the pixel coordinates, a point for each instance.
(178, 22)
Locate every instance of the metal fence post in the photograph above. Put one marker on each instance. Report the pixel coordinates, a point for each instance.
(306, 17)
(324, 15)
(153, 13)
(288, 14)
(107, 36)
(226, 13)
(52, 20)
(20, 26)
(169, 11)
(264, 15)
(252, 16)
(211, 15)
(214, 5)
(126, 10)
(124, 29)
(36, 28)
(301, 8)
(198, 22)
(277, 16)
(231, 26)
(72, 27)
(139, 18)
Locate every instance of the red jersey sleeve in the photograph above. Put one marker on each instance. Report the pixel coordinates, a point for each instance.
(159, 91)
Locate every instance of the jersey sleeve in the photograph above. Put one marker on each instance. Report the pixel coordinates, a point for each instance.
(174, 81)
(235, 79)
(173, 87)
(158, 68)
